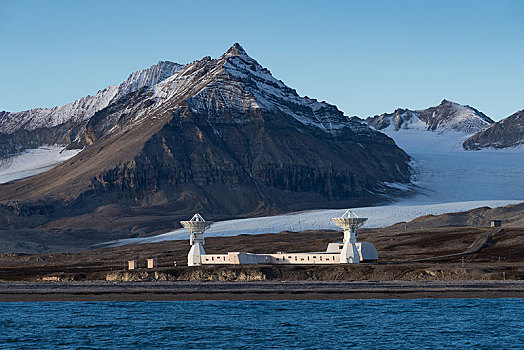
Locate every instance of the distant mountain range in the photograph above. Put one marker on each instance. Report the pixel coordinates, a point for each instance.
(447, 116)
(451, 116)
(221, 136)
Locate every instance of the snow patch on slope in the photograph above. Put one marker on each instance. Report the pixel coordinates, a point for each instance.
(148, 77)
(32, 162)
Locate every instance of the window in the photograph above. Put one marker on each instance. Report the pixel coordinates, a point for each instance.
(314, 257)
(207, 259)
(278, 259)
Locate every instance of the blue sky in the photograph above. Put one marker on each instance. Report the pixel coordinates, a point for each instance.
(366, 57)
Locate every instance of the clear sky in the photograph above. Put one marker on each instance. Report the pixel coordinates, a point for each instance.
(366, 57)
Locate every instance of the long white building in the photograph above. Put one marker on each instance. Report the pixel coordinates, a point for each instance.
(349, 251)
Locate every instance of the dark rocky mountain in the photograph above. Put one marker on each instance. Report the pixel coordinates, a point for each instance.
(220, 136)
(446, 116)
(508, 132)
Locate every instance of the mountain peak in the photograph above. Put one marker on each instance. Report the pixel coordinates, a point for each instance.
(235, 50)
(448, 115)
(149, 76)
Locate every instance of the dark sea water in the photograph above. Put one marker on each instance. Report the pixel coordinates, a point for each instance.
(338, 324)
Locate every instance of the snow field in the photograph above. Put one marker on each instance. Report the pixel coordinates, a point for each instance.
(33, 161)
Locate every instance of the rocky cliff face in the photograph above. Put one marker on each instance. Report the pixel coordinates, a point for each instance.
(508, 132)
(221, 136)
(446, 116)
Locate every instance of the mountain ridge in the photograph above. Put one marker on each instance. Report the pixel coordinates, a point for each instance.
(87, 106)
(220, 136)
(506, 133)
(446, 116)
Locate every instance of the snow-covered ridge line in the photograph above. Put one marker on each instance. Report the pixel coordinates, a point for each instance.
(237, 81)
(86, 107)
(272, 94)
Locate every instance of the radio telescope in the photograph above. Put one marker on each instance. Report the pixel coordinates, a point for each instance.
(197, 224)
(349, 222)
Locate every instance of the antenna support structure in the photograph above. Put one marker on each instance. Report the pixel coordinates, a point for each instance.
(196, 226)
(349, 222)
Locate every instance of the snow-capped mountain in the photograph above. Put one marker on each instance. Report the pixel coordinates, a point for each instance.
(447, 116)
(81, 122)
(508, 132)
(399, 119)
(219, 82)
(217, 135)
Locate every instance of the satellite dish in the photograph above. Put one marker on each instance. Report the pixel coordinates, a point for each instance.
(349, 221)
(197, 224)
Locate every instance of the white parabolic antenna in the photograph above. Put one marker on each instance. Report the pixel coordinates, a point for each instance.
(349, 221)
(197, 224)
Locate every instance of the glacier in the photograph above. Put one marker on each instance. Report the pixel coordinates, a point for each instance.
(445, 172)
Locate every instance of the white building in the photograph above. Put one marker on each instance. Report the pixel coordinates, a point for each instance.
(347, 252)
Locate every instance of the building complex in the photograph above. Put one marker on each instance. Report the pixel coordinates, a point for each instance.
(349, 251)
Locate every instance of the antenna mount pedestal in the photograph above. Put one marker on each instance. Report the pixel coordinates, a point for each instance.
(196, 226)
(349, 222)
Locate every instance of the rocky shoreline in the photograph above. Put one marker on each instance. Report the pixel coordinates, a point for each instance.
(363, 272)
(164, 291)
